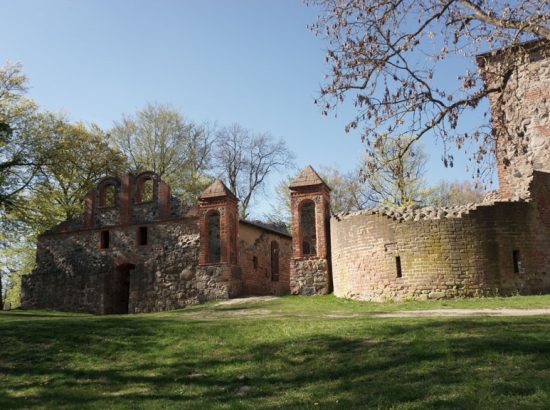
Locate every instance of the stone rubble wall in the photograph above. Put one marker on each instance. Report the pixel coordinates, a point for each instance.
(444, 253)
(73, 274)
(310, 276)
(523, 134)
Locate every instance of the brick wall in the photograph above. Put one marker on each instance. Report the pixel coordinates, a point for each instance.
(310, 274)
(466, 255)
(255, 261)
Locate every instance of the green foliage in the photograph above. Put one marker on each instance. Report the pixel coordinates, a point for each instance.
(455, 193)
(22, 134)
(394, 172)
(292, 352)
(157, 138)
(72, 159)
(78, 157)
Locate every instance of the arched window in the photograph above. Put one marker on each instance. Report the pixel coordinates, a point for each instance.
(274, 261)
(107, 196)
(145, 190)
(214, 243)
(308, 230)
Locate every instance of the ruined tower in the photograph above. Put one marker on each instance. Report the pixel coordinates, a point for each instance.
(310, 206)
(520, 113)
(218, 246)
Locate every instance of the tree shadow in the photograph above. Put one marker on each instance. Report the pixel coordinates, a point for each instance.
(368, 363)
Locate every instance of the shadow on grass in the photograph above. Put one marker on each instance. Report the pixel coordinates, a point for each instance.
(151, 362)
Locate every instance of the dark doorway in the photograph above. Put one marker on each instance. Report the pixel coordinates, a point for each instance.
(118, 293)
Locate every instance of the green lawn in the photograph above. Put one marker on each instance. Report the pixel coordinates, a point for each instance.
(292, 352)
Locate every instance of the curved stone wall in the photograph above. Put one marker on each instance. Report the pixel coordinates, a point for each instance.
(493, 249)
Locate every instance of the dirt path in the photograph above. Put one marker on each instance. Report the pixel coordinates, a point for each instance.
(261, 311)
(465, 312)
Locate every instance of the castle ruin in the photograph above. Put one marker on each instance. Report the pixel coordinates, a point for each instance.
(136, 248)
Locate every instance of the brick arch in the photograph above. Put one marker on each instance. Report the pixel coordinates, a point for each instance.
(141, 181)
(307, 227)
(103, 188)
(212, 221)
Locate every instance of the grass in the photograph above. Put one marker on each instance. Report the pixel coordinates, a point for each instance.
(291, 352)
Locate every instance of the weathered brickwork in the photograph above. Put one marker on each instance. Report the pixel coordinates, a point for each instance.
(264, 258)
(310, 268)
(137, 249)
(377, 258)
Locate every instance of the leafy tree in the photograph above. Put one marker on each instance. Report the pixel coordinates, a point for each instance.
(455, 193)
(157, 138)
(392, 59)
(21, 135)
(246, 159)
(78, 157)
(393, 172)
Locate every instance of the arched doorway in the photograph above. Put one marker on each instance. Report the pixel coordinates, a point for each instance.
(118, 290)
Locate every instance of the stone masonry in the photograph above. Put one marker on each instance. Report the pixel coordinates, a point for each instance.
(136, 248)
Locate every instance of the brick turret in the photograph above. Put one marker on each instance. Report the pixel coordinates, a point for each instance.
(218, 243)
(310, 206)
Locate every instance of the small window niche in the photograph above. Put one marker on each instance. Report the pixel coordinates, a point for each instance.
(142, 236)
(107, 196)
(104, 240)
(516, 257)
(274, 261)
(145, 190)
(255, 262)
(399, 272)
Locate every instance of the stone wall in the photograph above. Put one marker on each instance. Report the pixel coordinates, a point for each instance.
(255, 260)
(310, 276)
(79, 271)
(74, 274)
(445, 254)
(520, 115)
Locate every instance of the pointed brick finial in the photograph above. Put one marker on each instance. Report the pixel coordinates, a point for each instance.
(308, 177)
(217, 189)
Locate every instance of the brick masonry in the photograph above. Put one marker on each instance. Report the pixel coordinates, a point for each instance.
(77, 270)
(310, 274)
(441, 257)
(195, 254)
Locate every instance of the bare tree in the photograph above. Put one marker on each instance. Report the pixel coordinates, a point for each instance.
(391, 56)
(246, 159)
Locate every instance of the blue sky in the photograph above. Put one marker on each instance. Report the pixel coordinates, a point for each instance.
(244, 61)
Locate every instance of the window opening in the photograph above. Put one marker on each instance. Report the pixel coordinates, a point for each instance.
(398, 266)
(274, 261)
(214, 242)
(142, 235)
(107, 196)
(308, 229)
(104, 240)
(145, 190)
(517, 261)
